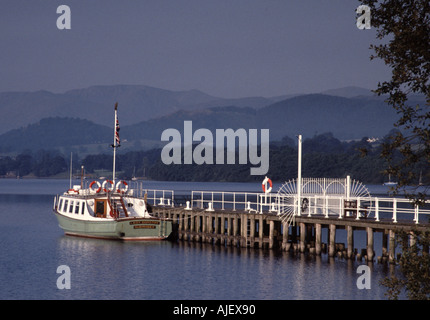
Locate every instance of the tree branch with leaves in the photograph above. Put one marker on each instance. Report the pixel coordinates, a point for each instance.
(404, 30)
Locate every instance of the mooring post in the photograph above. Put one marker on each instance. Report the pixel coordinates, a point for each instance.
(196, 227)
(192, 225)
(252, 230)
(229, 225)
(186, 225)
(215, 224)
(201, 223)
(211, 224)
(271, 234)
(181, 223)
(204, 225)
(228, 230)
(385, 243)
(222, 228)
(243, 225)
(209, 228)
(260, 231)
(370, 252)
(235, 227)
(332, 239)
(391, 246)
(318, 238)
(285, 228)
(302, 237)
(350, 241)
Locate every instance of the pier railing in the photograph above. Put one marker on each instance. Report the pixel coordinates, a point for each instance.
(287, 205)
(158, 197)
(375, 208)
(248, 201)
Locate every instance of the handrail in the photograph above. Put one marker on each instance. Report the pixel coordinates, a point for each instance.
(325, 205)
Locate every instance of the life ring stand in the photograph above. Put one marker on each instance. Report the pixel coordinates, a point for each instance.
(264, 185)
(99, 187)
(111, 186)
(122, 183)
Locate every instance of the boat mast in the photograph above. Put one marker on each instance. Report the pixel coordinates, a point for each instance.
(115, 141)
(71, 170)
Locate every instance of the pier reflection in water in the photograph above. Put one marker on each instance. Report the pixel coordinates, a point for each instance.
(187, 270)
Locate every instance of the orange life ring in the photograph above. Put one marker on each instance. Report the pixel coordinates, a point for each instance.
(264, 185)
(118, 186)
(99, 188)
(111, 186)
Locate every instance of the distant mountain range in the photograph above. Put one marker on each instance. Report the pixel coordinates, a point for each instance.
(137, 103)
(349, 92)
(34, 120)
(346, 118)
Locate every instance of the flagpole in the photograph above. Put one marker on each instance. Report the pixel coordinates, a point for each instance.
(114, 143)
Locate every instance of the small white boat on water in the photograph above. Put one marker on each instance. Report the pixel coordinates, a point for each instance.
(109, 210)
(389, 182)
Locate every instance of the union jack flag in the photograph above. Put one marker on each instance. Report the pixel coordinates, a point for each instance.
(116, 140)
(117, 134)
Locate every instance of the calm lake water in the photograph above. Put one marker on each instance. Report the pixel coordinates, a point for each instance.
(33, 246)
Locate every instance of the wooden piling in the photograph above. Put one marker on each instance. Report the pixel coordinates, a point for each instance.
(385, 243)
(271, 234)
(244, 229)
(370, 252)
(332, 239)
(302, 237)
(318, 235)
(350, 241)
(233, 228)
(285, 228)
(260, 231)
(251, 230)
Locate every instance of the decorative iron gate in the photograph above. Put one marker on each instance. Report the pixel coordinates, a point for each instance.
(323, 196)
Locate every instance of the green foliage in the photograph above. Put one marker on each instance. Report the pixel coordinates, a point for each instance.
(41, 164)
(54, 132)
(323, 156)
(414, 267)
(406, 24)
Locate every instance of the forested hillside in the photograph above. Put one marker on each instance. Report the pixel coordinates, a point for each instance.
(323, 156)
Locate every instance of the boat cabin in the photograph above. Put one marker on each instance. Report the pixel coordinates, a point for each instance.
(86, 205)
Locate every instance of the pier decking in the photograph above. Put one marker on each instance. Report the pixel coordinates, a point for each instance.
(261, 220)
(267, 231)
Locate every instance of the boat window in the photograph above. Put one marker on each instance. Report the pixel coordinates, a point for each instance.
(71, 206)
(100, 208)
(82, 207)
(60, 205)
(65, 205)
(77, 207)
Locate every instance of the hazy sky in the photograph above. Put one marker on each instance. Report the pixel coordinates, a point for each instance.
(226, 48)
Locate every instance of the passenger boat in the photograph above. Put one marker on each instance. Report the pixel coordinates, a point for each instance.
(109, 211)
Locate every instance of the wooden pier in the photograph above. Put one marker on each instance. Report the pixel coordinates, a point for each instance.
(308, 221)
(268, 231)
